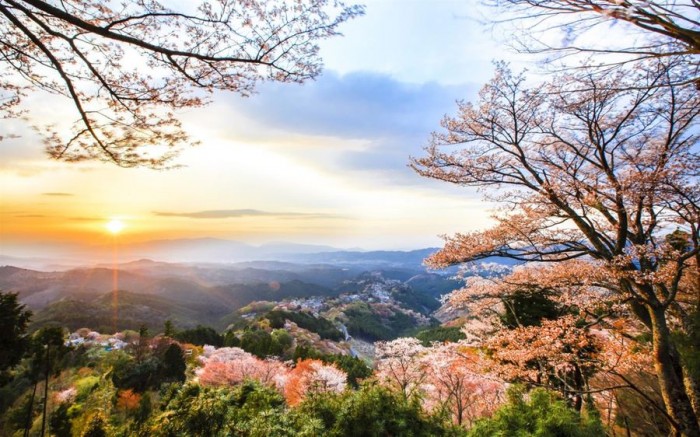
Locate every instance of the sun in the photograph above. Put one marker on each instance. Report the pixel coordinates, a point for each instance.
(115, 226)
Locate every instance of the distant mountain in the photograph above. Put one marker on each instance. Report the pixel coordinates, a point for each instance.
(188, 250)
(153, 254)
(249, 272)
(281, 248)
(133, 311)
(412, 259)
(381, 258)
(210, 287)
(213, 250)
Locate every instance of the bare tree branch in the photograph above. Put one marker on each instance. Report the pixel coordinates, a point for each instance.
(127, 68)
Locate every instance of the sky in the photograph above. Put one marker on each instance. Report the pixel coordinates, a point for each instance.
(320, 163)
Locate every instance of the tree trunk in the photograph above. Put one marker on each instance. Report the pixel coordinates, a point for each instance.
(693, 389)
(30, 412)
(46, 389)
(670, 374)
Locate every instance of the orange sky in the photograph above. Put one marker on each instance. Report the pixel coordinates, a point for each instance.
(322, 163)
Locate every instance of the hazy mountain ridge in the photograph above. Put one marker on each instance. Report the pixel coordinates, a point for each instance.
(209, 250)
(152, 291)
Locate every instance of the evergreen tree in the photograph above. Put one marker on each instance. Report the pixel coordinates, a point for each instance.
(59, 422)
(174, 365)
(543, 415)
(14, 318)
(169, 329)
(96, 427)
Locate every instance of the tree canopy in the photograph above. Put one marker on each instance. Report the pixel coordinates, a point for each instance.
(592, 171)
(126, 66)
(650, 29)
(14, 318)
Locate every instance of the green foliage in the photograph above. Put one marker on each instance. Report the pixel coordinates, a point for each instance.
(195, 411)
(231, 339)
(199, 411)
(168, 328)
(688, 344)
(544, 415)
(440, 334)
(173, 366)
(323, 327)
(201, 335)
(59, 421)
(96, 427)
(130, 374)
(679, 240)
(260, 342)
(270, 423)
(85, 386)
(354, 367)
(149, 373)
(255, 336)
(11, 391)
(281, 341)
(372, 411)
(256, 341)
(47, 344)
(14, 319)
(366, 323)
(255, 410)
(419, 302)
(16, 417)
(434, 285)
(145, 408)
(528, 307)
(143, 331)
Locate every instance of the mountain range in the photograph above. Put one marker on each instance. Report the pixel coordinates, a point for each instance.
(204, 250)
(199, 281)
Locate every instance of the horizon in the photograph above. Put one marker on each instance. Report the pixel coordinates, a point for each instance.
(324, 163)
(202, 250)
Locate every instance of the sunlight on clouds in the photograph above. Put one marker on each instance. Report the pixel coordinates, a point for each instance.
(333, 151)
(230, 175)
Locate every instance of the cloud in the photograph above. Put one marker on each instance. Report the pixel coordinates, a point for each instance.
(87, 219)
(391, 119)
(356, 105)
(237, 213)
(57, 194)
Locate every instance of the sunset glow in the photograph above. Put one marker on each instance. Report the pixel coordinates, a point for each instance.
(323, 163)
(115, 226)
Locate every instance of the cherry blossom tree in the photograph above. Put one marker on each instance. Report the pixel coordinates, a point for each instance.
(232, 366)
(589, 348)
(597, 168)
(536, 324)
(453, 379)
(556, 354)
(399, 366)
(625, 383)
(126, 66)
(650, 29)
(312, 376)
(458, 383)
